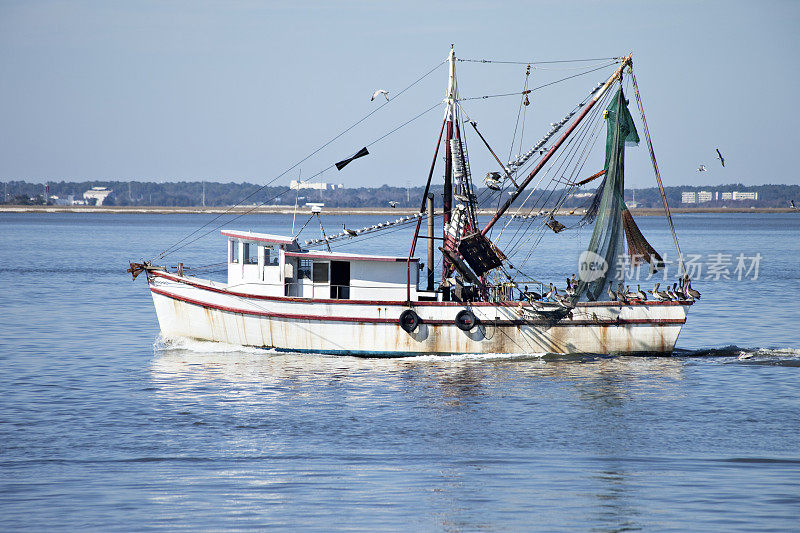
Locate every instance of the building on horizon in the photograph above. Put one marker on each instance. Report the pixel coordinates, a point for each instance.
(319, 186)
(97, 193)
(69, 200)
(704, 196)
(745, 195)
(691, 197)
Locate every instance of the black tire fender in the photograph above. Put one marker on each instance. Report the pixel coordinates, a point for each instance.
(409, 320)
(466, 320)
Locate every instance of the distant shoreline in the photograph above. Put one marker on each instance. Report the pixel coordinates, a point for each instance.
(288, 210)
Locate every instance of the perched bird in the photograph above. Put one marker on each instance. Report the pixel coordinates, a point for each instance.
(671, 294)
(678, 292)
(530, 295)
(701, 168)
(663, 294)
(563, 300)
(695, 294)
(350, 232)
(658, 295)
(721, 159)
(621, 293)
(392, 204)
(640, 294)
(492, 180)
(686, 286)
(549, 294)
(570, 288)
(611, 294)
(379, 92)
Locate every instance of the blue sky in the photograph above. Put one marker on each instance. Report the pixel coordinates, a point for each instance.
(240, 91)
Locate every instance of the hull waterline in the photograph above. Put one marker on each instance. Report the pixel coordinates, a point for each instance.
(198, 309)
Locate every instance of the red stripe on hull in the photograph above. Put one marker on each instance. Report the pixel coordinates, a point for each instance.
(363, 320)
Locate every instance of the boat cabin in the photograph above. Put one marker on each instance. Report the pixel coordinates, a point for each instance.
(272, 265)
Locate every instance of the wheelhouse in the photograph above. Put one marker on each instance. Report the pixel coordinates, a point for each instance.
(273, 265)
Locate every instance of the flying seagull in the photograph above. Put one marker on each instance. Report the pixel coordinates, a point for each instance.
(701, 168)
(379, 92)
(392, 204)
(721, 159)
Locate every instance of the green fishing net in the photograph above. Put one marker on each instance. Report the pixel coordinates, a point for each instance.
(600, 263)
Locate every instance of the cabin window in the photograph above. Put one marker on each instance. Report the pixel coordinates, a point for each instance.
(270, 256)
(233, 249)
(340, 280)
(304, 270)
(320, 272)
(250, 253)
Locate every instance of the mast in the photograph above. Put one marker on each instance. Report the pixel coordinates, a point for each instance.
(598, 94)
(447, 197)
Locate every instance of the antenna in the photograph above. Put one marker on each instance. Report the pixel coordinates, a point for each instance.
(316, 209)
(296, 198)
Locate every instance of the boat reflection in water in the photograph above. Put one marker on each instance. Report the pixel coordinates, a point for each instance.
(452, 437)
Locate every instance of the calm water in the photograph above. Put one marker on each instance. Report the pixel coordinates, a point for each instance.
(105, 426)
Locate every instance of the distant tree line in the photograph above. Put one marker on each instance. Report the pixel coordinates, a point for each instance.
(215, 194)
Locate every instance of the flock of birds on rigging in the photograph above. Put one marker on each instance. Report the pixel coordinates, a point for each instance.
(623, 294)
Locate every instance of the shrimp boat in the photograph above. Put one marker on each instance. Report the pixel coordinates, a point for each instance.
(295, 296)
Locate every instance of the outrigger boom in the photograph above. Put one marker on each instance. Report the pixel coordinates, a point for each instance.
(626, 62)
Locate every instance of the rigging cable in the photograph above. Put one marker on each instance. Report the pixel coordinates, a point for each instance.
(658, 174)
(567, 155)
(617, 59)
(586, 127)
(172, 248)
(539, 86)
(567, 191)
(549, 169)
(282, 191)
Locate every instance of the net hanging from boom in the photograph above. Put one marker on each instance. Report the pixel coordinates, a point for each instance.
(602, 262)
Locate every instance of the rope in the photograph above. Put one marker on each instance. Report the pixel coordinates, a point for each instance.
(175, 248)
(303, 227)
(617, 59)
(589, 126)
(564, 159)
(172, 248)
(539, 86)
(658, 174)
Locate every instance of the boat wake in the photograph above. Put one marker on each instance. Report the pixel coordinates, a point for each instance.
(175, 344)
(789, 357)
(757, 356)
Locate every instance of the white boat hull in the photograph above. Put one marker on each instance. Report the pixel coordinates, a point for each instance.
(199, 309)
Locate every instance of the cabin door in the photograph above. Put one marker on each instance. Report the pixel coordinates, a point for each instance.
(340, 280)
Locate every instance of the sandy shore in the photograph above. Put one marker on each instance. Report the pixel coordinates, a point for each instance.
(288, 210)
